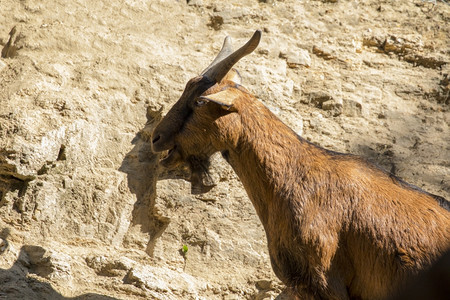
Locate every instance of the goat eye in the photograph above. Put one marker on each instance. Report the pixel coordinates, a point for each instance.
(200, 102)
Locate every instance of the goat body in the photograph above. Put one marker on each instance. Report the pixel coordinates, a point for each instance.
(337, 227)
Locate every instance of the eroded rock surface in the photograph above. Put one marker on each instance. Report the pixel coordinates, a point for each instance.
(87, 213)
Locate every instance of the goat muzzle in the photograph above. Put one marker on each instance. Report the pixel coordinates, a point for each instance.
(171, 159)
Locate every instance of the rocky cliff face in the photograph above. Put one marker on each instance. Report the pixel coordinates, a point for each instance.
(85, 211)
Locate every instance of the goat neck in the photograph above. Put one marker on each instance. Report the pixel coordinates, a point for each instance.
(261, 156)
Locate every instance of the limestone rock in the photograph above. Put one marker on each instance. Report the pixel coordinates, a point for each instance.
(2, 65)
(107, 266)
(83, 201)
(352, 107)
(11, 47)
(334, 106)
(323, 52)
(47, 263)
(164, 280)
(298, 58)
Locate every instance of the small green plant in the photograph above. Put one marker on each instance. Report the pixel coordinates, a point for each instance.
(184, 251)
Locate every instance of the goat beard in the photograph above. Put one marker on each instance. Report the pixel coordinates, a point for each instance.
(201, 180)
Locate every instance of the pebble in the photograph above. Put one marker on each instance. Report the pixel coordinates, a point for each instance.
(298, 58)
(264, 284)
(197, 3)
(319, 97)
(333, 106)
(352, 108)
(2, 65)
(323, 52)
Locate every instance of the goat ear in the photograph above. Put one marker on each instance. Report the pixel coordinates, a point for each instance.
(234, 76)
(224, 98)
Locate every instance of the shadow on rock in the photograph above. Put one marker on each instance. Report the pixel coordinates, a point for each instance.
(17, 284)
(143, 171)
(141, 167)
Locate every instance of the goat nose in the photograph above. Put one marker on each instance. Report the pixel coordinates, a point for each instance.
(156, 139)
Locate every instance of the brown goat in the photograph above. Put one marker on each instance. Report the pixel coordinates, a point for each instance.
(337, 227)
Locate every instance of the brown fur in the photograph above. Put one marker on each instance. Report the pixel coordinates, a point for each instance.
(337, 227)
(432, 283)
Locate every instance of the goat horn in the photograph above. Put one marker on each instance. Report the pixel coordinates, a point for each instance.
(226, 50)
(219, 69)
